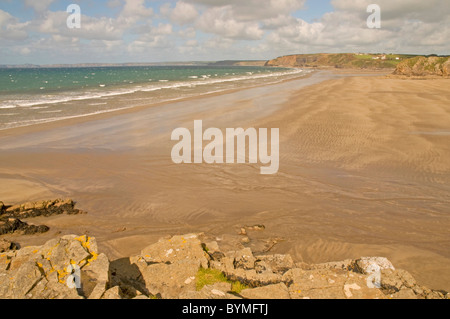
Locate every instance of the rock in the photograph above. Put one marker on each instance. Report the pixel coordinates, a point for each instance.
(255, 227)
(424, 66)
(277, 291)
(275, 263)
(219, 290)
(46, 271)
(244, 259)
(98, 291)
(177, 248)
(10, 218)
(113, 293)
(42, 208)
(2, 206)
(368, 265)
(404, 294)
(71, 267)
(12, 225)
(211, 247)
(329, 284)
(393, 281)
(126, 274)
(170, 280)
(6, 245)
(347, 264)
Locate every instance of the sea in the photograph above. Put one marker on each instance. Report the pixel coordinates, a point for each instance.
(31, 96)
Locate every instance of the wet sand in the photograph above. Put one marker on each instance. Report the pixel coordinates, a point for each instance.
(364, 171)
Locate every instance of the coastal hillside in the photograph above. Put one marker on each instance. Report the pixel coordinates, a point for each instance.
(238, 63)
(422, 66)
(340, 60)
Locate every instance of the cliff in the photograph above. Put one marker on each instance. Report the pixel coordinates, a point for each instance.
(424, 66)
(341, 60)
(238, 63)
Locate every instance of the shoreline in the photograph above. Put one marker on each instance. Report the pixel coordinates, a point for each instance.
(105, 114)
(319, 206)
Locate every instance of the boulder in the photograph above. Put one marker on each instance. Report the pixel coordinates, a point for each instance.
(244, 259)
(219, 290)
(277, 263)
(170, 280)
(276, 291)
(42, 208)
(368, 265)
(329, 284)
(13, 225)
(113, 293)
(177, 248)
(67, 267)
(6, 245)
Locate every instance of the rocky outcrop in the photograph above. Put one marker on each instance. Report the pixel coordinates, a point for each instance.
(424, 66)
(11, 216)
(6, 245)
(337, 60)
(68, 267)
(12, 225)
(72, 267)
(40, 208)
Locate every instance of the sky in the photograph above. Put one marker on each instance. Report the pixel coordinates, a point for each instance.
(120, 31)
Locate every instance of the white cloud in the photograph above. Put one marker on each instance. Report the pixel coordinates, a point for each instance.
(39, 6)
(183, 13)
(91, 28)
(133, 11)
(255, 10)
(187, 33)
(224, 29)
(220, 21)
(11, 28)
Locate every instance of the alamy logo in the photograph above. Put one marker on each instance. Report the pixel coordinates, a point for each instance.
(74, 279)
(74, 19)
(235, 140)
(374, 20)
(374, 278)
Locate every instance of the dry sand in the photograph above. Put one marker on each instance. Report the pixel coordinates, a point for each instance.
(364, 171)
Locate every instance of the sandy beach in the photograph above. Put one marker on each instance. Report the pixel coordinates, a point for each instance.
(364, 171)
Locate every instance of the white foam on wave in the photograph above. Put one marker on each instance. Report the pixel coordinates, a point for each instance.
(55, 111)
(66, 98)
(123, 91)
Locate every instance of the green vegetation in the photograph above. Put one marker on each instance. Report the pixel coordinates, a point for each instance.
(211, 276)
(343, 60)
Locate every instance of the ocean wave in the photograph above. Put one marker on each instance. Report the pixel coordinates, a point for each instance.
(104, 94)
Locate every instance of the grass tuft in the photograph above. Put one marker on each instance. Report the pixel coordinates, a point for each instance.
(211, 276)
